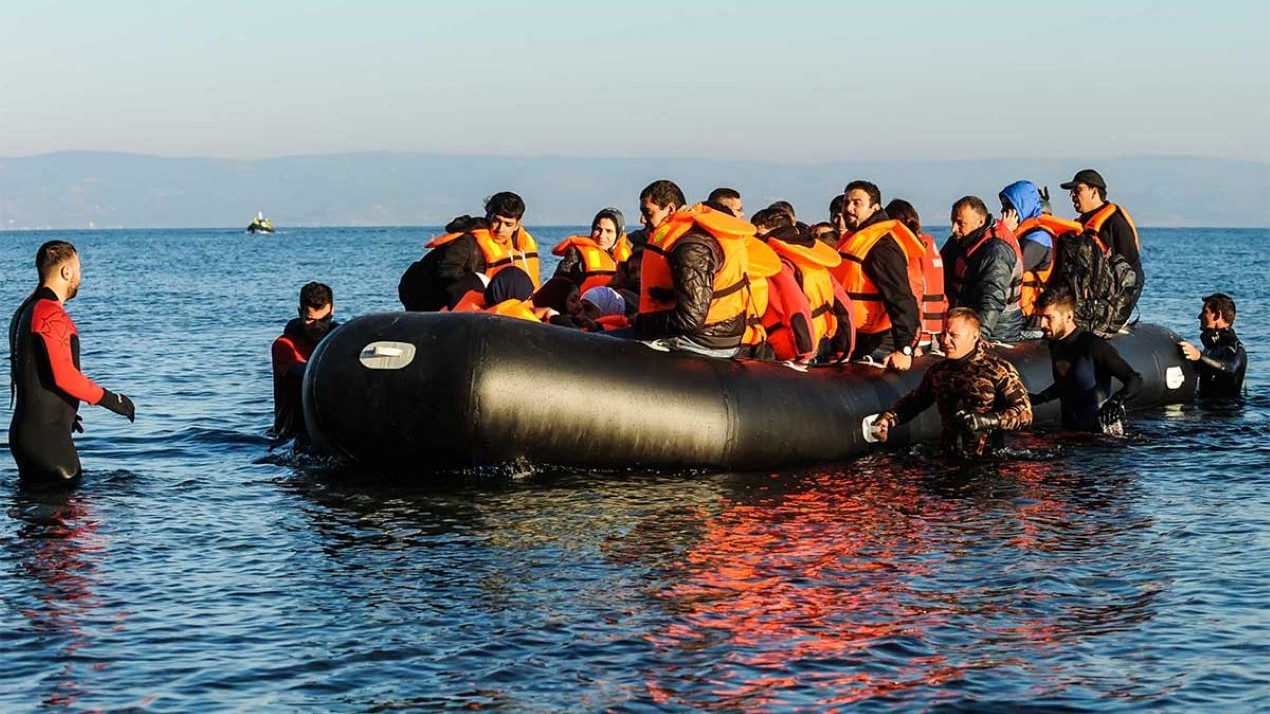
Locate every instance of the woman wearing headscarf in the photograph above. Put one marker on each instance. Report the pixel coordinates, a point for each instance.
(591, 261)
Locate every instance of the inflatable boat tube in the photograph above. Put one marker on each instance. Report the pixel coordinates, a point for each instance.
(444, 391)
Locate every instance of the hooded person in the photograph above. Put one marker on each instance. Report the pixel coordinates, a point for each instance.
(606, 308)
(592, 261)
(509, 293)
(1023, 212)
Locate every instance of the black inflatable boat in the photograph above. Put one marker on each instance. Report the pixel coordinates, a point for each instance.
(441, 390)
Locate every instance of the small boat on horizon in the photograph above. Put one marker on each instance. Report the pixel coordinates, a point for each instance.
(260, 224)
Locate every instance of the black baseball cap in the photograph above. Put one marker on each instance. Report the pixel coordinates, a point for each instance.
(1089, 177)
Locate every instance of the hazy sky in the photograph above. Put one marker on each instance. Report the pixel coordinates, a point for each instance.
(803, 81)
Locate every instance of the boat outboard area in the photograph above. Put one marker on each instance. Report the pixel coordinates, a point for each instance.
(441, 391)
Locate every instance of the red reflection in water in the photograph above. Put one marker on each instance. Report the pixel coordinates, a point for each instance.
(821, 577)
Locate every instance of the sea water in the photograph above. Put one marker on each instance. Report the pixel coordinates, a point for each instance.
(195, 570)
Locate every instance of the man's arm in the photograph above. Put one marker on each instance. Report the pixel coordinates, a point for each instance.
(1118, 236)
(987, 288)
(1016, 410)
(1037, 250)
(693, 264)
(54, 328)
(1109, 361)
(913, 403)
(463, 256)
(887, 267)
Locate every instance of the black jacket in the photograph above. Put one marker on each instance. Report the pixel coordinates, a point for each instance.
(887, 267)
(429, 283)
(1083, 364)
(1222, 364)
(991, 285)
(694, 261)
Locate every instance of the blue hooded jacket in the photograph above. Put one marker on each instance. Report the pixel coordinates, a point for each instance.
(1026, 199)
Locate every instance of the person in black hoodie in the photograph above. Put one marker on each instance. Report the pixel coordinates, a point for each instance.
(1083, 365)
(291, 352)
(1224, 360)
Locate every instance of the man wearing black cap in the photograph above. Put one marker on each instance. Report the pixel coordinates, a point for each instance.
(1107, 223)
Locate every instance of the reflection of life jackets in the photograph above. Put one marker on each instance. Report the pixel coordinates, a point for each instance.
(1093, 226)
(813, 263)
(934, 302)
(522, 251)
(1034, 281)
(730, 294)
(598, 265)
(867, 309)
(759, 320)
(962, 262)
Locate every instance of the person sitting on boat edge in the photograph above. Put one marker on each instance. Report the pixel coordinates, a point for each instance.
(591, 261)
(1224, 360)
(693, 294)
(500, 242)
(1083, 365)
(1110, 226)
(934, 302)
(983, 269)
(978, 393)
(290, 357)
(880, 270)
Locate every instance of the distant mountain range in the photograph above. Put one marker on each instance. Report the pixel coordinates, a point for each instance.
(109, 190)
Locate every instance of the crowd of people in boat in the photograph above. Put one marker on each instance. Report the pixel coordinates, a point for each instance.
(869, 284)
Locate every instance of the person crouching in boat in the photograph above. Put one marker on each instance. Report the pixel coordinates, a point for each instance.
(508, 294)
(499, 243)
(290, 354)
(591, 261)
(979, 394)
(694, 290)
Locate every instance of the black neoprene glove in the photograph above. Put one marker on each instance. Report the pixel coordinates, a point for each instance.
(1111, 412)
(1036, 398)
(119, 404)
(78, 425)
(979, 422)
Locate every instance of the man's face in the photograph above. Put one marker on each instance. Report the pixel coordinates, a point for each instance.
(1085, 198)
(857, 207)
(734, 205)
(651, 215)
(1057, 322)
(503, 228)
(604, 233)
(317, 321)
(72, 275)
(1209, 320)
(966, 220)
(959, 338)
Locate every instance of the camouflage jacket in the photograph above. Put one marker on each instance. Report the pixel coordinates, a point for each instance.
(981, 382)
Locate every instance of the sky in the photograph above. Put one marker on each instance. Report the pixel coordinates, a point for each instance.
(789, 81)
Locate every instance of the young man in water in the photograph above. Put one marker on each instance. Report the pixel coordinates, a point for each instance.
(44, 372)
(979, 395)
(1083, 365)
(291, 352)
(1223, 361)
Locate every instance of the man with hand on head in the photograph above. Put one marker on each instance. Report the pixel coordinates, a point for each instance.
(979, 395)
(44, 372)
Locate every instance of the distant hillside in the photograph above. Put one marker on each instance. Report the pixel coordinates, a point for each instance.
(82, 189)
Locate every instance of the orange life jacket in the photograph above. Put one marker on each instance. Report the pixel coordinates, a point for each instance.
(764, 263)
(521, 252)
(934, 302)
(613, 322)
(472, 301)
(731, 296)
(1094, 225)
(1034, 281)
(598, 265)
(868, 312)
(519, 309)
(999, 231)
(814, 264)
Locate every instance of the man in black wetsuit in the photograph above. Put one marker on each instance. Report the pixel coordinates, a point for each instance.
(44, 369)
(1083, 365)
(1223, 362)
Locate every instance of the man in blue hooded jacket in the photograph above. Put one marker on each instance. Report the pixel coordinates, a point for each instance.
(1023, 212)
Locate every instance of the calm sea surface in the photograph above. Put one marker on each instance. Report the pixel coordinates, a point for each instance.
(194, 570)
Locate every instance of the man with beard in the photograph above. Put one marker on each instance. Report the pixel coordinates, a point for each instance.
(291, 352)
(1083, 365)
(44, 372)
(1224, 360)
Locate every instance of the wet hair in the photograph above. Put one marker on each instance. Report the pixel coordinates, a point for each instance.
(1223, 305)
(964, 313)
(663, 193)
(505, 204)
(974, 203)
(314, 296)
(1059, 297)
(903, 211)
(875, 194)
(785, 206)
(724, 194)
(771, 218)
(51, 255)
(835, 206)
